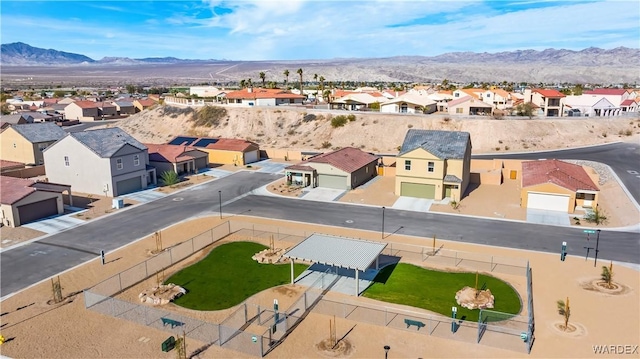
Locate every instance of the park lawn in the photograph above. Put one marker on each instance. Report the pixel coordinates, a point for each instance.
(228, 276)
(435, 291)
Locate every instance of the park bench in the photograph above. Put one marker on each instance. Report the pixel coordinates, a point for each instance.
(168, 344)
(173, 323)
(410, 322)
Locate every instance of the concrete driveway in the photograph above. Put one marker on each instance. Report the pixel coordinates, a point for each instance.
(542, 216)
(217, 173)
(58, 223)
(413, 204)
(268, 166)
(144, 196)
(323, 194)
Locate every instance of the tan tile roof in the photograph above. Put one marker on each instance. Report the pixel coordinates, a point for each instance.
(169, 153)
(86, 104)
(348, 159)
(14, 189)
(549, 93)
(232, 144)
(257, 93)
(146, 102)
(563, 174)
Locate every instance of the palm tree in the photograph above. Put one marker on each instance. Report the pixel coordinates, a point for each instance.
(242, 83)
(315, 78)
(249, 83)
(286, 79)
(565, 311)
(322, 85)
(299, 72)
(262, 77)
(607, 275)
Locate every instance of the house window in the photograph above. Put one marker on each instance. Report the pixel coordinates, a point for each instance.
(459, 110)
(585, 196)
(431, 166)
(407, 165)
(119, 163)
(66, 161)
(136, 160)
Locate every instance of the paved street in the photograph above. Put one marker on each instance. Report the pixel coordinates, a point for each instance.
(29, 264)
(619, 246)
(623, 158)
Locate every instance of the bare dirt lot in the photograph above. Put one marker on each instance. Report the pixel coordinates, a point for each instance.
(36, 329)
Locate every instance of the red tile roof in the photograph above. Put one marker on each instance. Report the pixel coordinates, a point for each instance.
(627, 102)
(300, 168)
(169, 153)
(146, 102)
(14, 189)
(606, 92)
(549, 93)
(563, 174)
(4, 164)
(232, 144)
(257, 93)
(86, 104)
(348, 159)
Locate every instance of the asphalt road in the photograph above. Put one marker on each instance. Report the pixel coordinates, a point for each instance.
(23, 266)
(623, 158)
(613, 245)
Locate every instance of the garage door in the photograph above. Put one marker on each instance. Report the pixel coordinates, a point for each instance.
(35, 211)
(418, 190)
(201, 162)
(128, 186)
(251, 157)
(549, 202)
(329, 181)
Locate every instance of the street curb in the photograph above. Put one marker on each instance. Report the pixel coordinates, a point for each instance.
(542, 151)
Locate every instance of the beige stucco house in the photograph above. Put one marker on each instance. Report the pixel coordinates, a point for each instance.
(409, 103)
(433, 164)
(177, 158)
(24, 143)
(554, 185)
(82, 111)
(23, 200)
(550, 102)
(469, 106)
(105, 162)
(345, 169)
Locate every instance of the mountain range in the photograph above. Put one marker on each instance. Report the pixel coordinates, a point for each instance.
(591, 65)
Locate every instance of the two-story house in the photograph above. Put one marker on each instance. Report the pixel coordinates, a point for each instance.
(433, 164)
(24, 143)
(105, 162)
(82, 111)
(550, 102)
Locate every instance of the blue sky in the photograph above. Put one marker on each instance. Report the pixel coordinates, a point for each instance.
(296, 29)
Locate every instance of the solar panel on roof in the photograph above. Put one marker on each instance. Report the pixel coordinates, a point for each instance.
(204, 142)
(183, 141)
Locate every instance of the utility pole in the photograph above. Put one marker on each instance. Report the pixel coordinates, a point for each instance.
(595, 260)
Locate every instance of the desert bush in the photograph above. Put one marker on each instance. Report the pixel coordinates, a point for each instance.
(174, 112)
(169, 178)
(309, 117)
(446, 119)
(338, 121)
(291, 132)
(500, 141)
(498, 148)
(375, 122)
(506, 148)
(326, 144)
(209, 116)
(628, 132)
(409, 126)
(351, 117)
(604, 134)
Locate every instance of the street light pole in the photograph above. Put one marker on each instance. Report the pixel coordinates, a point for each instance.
(386, 347)
(382, 232)
(220, 200)
(597, 242)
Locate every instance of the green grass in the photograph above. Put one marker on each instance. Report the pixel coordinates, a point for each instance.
(228, 276)
(435, 291)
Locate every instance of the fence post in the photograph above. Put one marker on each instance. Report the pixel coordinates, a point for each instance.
(146, 270)
(220, 334)
(245, 312)
(192, 247)
(305, 301)
(228, 227)
(385, 316)
(171, 255)
(119, 282)
(491, 263)
(261, 346)
(456, 259)
(259, 315)
(429, 324)
(211, 230)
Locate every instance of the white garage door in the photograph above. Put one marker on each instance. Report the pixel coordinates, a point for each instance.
(549, 202)
(251, 157)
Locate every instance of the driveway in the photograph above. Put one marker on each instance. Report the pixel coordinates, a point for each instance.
(217, 173)
(56, 224)
(413, 204)
(323, 194)
(268, 166)
(144, 196)
(542, 216)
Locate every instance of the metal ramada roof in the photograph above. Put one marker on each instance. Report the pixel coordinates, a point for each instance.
(337, 251)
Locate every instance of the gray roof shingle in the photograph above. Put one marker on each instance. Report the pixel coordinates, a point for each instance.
(443, 144)
(106, 142)
(40, 132)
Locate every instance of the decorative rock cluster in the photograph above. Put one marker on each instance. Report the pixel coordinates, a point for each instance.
(162, 294)
(269, 256)
(472, 298)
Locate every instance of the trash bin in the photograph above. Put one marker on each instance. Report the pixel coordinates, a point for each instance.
(117, 203)
(169, 344)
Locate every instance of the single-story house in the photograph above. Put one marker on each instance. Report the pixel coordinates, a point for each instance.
(630, 105)
(125, 107)
(554, 185)
(223, 150)
(469, 106)
(107, 162)
(409, 103)
(356, 101)
(24, 143)
(143, 104)
(263, 97)
(177, 158)
(588, 105)
(24, 200)
(107, 109)
(434, 164)
(82, 111)
(345, 169)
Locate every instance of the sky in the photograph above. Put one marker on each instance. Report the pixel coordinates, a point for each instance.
(316, 29)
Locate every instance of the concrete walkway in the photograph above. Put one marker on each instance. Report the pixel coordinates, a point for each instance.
(346, 284)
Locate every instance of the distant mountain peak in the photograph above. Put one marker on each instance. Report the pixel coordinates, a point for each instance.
(19, 53)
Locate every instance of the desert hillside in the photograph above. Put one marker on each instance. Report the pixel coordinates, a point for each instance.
(305, 129)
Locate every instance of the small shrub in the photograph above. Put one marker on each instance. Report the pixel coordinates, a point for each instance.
(498, 148)
(294, 143)
(169, 178)
(339, 121)
(628, 133)
(291, 132)
(500, 141)
(446, 119)
(604, 134)
(506, 148)
(209, 116)
(399, 148)
(309, 117)
(351, 117)
(375, 122)
(326, 144)
(409, 126)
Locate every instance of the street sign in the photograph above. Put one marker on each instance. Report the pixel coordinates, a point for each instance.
(590, 231)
